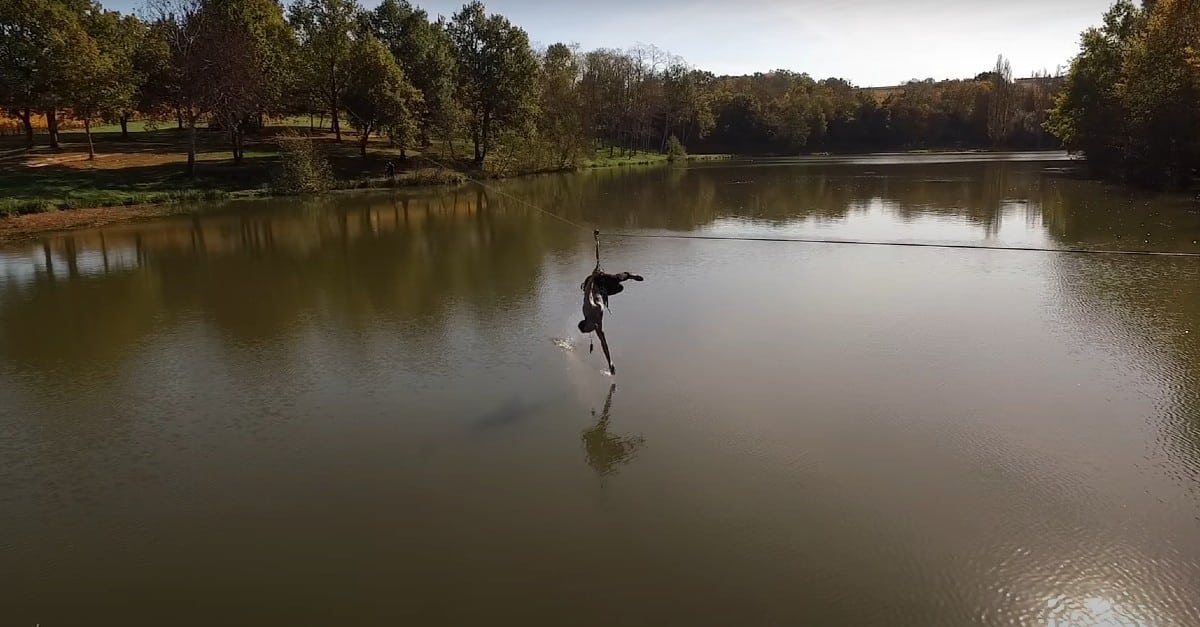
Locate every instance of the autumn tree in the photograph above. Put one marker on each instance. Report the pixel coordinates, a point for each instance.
(379, 96)
(1161, 94)
(1000, 106)
(1088, 115)
(497, 74)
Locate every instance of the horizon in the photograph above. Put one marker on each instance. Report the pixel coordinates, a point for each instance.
(956, 42)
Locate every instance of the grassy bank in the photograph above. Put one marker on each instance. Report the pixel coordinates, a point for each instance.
(148, 168)
(603, 160)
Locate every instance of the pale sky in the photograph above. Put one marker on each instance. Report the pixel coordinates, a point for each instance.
(869, 42)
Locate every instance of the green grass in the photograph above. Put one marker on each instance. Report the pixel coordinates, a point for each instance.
(421, 177)
(135, 126)
(148, 167)
(602, 160)
(83, 199)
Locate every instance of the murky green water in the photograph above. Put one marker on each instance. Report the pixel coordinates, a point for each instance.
(353, 411)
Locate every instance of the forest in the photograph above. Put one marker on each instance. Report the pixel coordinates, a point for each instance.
(393, 70)
(1131, 101)
(473, 85)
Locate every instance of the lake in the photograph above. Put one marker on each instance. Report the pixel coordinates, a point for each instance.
(376, 409)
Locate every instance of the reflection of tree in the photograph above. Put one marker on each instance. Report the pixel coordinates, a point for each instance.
(605, 451)
(1086, 213)
(253, 271)
(256, 273)
(688, 199)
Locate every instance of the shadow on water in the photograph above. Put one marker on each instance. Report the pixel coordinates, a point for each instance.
(604, 451)
(507, 414)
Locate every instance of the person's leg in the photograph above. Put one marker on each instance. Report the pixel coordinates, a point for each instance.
(604, 345)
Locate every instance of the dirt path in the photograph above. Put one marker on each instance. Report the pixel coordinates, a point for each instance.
(26, 226)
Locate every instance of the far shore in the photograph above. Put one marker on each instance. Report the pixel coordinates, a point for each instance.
(113, 206)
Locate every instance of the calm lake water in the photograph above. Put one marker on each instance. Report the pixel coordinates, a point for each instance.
(367, 410)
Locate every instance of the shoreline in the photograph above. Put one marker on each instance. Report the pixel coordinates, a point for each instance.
(28, 225)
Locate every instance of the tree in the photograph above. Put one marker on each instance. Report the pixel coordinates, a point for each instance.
(379, 95)
(119, 38)
(606, 95)
(192, 45)
(1088, 115)
(325, 28)
(1160, 92)
(425, 53)
(105, 79)
(38, 64)
(25, 54)
(497, 74)
(251, 47)
(1000, 105)
(560, 121)
(106, 82)
(157, 93)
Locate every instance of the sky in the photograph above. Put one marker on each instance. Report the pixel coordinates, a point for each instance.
(868, 42)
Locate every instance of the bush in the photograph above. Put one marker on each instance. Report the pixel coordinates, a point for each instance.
(675, 149)
(10, 207)
(303, 169)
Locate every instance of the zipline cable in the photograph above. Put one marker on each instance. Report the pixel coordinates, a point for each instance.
(813, 240)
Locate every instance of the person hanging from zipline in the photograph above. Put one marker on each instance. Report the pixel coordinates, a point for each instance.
(597, 287)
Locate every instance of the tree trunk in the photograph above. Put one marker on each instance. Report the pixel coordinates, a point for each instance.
(87, 130)
(179, 118)
(333, 120)
(191, 164)
(125, 126)
(237, 147)
(310, 122)
(25, 114)
(362, 144)
(52, 127)
(481, 141)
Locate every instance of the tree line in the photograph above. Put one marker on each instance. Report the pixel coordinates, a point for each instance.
(392, 71)
(1131, 102)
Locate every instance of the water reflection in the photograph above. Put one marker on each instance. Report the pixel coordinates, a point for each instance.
(257, 272)
(606, 452)
(1010, 433)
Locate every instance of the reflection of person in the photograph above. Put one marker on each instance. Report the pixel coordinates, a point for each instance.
(606, 451)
